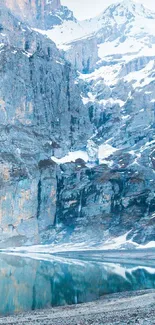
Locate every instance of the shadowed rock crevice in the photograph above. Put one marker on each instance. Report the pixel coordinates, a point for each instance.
(39, 199)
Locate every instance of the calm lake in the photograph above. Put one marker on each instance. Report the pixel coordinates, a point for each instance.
(28, 284)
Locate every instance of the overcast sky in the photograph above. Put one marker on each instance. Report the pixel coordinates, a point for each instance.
(89, 8)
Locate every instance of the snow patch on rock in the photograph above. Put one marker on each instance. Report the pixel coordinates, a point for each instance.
(72, 156)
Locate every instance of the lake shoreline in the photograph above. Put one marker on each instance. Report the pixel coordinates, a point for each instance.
(145, 257)
(124, 308)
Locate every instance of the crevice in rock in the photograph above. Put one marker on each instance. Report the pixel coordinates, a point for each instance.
(68, 86)
(59, 204)
(34, 298)
(39, 199)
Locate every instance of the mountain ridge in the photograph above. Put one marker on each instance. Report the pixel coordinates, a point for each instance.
(76, 30)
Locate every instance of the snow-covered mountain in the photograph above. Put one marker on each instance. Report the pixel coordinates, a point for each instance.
(114, 55)
(127, 17)
(117, 47)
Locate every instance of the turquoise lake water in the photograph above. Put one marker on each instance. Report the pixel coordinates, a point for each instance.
(28, 284)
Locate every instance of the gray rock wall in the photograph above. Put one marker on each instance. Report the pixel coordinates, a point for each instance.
(103, 202)
(41, 114)
(41, 14)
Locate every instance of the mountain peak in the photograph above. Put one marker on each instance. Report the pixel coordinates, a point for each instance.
(129, 8)
(133, 7)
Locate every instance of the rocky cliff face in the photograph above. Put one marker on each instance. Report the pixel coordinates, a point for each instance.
(96, 124)
(42, 14)
(41, 114)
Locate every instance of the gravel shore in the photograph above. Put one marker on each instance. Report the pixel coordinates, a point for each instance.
(114, 309)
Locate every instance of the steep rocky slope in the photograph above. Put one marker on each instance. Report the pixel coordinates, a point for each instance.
(77, 148)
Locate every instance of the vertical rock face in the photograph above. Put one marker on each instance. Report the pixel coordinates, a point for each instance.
(41, 115)
(39, 13)
(31, 11)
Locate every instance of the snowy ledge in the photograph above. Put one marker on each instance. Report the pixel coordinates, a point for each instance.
(90, 155)
(72, 156)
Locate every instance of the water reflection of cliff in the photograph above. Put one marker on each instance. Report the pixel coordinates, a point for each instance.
(27, 284)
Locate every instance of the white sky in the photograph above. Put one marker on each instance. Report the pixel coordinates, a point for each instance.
(84, 9)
